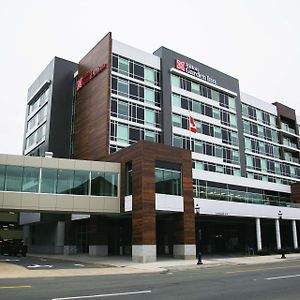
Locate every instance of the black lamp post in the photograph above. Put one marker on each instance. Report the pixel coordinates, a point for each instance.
(280, 218)
(198, 237)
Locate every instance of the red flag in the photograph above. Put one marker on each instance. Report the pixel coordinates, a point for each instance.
(193, 127)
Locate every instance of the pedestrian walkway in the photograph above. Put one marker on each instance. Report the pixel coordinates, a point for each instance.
(124, 265)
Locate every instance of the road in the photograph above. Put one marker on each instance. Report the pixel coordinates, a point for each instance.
(268, 281)
(38, 263)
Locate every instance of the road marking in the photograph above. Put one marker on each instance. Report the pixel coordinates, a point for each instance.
(104, 295)
(16, 287)
(283, 277)
(9, 260)
(78, 265)
(39, 266)
(262, 269)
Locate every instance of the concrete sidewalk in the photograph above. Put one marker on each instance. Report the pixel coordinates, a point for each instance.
(124, 265)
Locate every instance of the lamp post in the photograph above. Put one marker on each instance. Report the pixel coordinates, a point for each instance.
(198, 237)
(280, 218)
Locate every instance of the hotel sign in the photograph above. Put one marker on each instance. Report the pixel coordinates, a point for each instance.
(194, 71)
(88, 76)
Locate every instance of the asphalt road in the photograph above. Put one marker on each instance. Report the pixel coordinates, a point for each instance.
(269, 281)
(38, 263)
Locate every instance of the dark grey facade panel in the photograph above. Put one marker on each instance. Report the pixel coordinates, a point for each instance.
(59, 129)
(168, 58)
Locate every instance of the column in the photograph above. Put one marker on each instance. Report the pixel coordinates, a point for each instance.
(258, 235)
(69, 236)
(295, 238)
(60, 237)
(277, 229)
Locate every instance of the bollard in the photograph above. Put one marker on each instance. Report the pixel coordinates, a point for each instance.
(199, 259)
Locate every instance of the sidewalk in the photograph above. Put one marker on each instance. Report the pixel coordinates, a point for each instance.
(124, 265)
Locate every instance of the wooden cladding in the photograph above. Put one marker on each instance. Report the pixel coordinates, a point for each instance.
(92, 108)
(295, 192)
(143, 156)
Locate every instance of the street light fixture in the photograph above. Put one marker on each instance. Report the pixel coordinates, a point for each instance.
(198, 238)
(280, 218)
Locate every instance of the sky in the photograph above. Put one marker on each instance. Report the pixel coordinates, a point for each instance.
(257, 42)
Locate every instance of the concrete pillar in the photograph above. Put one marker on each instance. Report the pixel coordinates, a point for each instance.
(258, 235)
(60, 237)
(98, 236)
(69, 236)
(27, 235)
(277, 229)
(295, 238)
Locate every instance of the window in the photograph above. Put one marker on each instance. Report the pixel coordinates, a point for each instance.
(175, 81)
(177, 141)
(104, 184)
(198, 147)
(30, 179)
(123, 87)
(13, 180)
(149, 136)
(176, 120)
(149, 96)
(231, 103)
(2, 177)
(81, 183)
(65, 180)
(123, 110)
(149, 75)
(123, 66)
(122, 133)
(176, 101)
(149, 117)
(168, 182)
(48, 181)
(215, 95)
(195, 88)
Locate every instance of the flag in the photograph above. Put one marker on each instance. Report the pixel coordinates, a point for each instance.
(193, 127)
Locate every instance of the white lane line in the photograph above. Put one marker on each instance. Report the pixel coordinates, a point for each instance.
(283, 277)
(104, 295)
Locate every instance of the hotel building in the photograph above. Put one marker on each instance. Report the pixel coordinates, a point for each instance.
(139, 141)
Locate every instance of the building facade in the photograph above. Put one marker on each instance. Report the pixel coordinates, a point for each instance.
(184, 136)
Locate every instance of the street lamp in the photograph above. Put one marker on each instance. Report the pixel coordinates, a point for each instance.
(280, 218)
(198, 237)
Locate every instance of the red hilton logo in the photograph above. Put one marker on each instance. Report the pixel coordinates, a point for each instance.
(180, 65)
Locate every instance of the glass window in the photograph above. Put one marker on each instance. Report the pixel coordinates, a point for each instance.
(246, 126)
(273, 120)
(149, 75)
(215, 95)
(248, 145)
(104, 184)
(264, 167)
(2, 177)
(122, 133)
(149, 95)
(81, 183)
(198, 147)
(217, 131)
(175, 81)
(234, 138)
(48, 181)
(197, 107)
(195, 88)
(149, 117)
(199, 165)
(176, 120)
(167, 182)
(216, 113)
(149, 136)
(177, 141)
(123, 66)
(176, 101)
(65, 179)
(123, 110)
(233, 120)
(123, 87)
(31, 179)
(235, 157)
(236, 172)
(231, 103)
(249, 161)
(219, 151)
(13, 180)
(259, 115)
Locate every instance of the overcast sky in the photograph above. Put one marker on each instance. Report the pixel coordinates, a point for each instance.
(256, 41)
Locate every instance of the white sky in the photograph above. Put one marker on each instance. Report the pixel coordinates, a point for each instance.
(256, 41)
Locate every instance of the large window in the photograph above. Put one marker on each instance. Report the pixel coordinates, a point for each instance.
(168, 182)
(53, 181)
(31, 180)
(104, 184)
(49, 181)
(13, 180)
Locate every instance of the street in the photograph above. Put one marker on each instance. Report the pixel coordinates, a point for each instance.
(265, 281)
